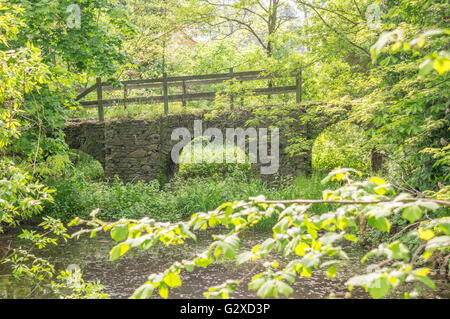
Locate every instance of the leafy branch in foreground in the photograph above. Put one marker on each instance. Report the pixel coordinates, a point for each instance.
(314, 240)
(39, 273)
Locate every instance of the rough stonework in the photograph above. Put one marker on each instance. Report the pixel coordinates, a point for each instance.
(140, 149)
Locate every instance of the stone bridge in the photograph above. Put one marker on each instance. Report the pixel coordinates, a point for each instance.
(141, 149)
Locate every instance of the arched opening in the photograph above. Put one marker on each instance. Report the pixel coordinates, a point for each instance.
(343, 144)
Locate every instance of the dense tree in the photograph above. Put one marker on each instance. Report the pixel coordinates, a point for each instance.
(42, 60)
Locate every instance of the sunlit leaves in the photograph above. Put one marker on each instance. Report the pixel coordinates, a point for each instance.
(172, 279)
(378, 181)
(438, 243)
(331, 272)
(394, 250)
(143, 292)
(399, 251)
(163, 290)
(351, 237)
(203, 261)
(383, 40)
(271, 285)
(379, 283)
(222, 291)
(314, 238)
(300, 249)
(118, 251)
(340, 174)
(437, 61)
(425, 234)
(442, 63)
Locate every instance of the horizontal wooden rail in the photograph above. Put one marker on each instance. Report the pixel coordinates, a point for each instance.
(86, 92)
(184, 82)
(180, 83)
(187, 97)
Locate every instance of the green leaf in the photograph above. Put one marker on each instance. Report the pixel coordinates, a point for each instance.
(399, 251)
(143, 292)
(380, 190)
(426, 67)
(425, 234)
(300, 248)
(441, 64)
(268, 244)
(379, 288)
(438, 243)
(381, 223)
(445, 227)
(74, 222)
(362, 280)
(255, 284)
(244, 257)
(329, 238)
(189, 266)
(310, 261)
(172, 280)
(217, 252)
(163, 290)
(266, 289)
(202, 262)
(412, 212)
(428, 205)
(351, 237)
(118, 251)
(378, 181)
(331, 272)
(427, 281)
(119, 233)
(284, 288)
(306, 272)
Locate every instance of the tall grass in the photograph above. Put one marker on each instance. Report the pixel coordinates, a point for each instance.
(175, 201)
(139, 111)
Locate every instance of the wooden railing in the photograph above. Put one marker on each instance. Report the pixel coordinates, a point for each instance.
(184, 82)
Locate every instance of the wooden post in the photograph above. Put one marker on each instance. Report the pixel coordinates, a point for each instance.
(124, 96)
(101, 114)
(376, 160)
(242, 96)
(231, 95)
(298, 84)
(165, 94)
(184, 93)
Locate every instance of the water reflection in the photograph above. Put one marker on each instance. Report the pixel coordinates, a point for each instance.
(122, 277)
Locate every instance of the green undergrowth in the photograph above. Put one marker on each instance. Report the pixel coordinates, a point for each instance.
(174, 201)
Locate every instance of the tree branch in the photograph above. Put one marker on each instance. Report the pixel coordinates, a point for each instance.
(341, 35)
(328, 10)
(363, 202)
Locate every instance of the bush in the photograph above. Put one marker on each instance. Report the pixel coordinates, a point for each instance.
(200, 158)
(86, 165)
(176, 201)
(341, 145)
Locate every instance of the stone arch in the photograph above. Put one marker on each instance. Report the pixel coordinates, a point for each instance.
(141, 149)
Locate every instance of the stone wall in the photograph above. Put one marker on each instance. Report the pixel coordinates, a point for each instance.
(140, 149)
(88, 137)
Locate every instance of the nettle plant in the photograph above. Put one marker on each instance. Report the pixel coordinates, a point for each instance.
(315, 241)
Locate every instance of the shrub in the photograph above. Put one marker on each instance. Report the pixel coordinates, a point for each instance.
(202, 158)
(341, 145)
(86, 165)
(176, 200)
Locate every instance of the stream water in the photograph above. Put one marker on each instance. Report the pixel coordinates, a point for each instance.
(120, 278)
